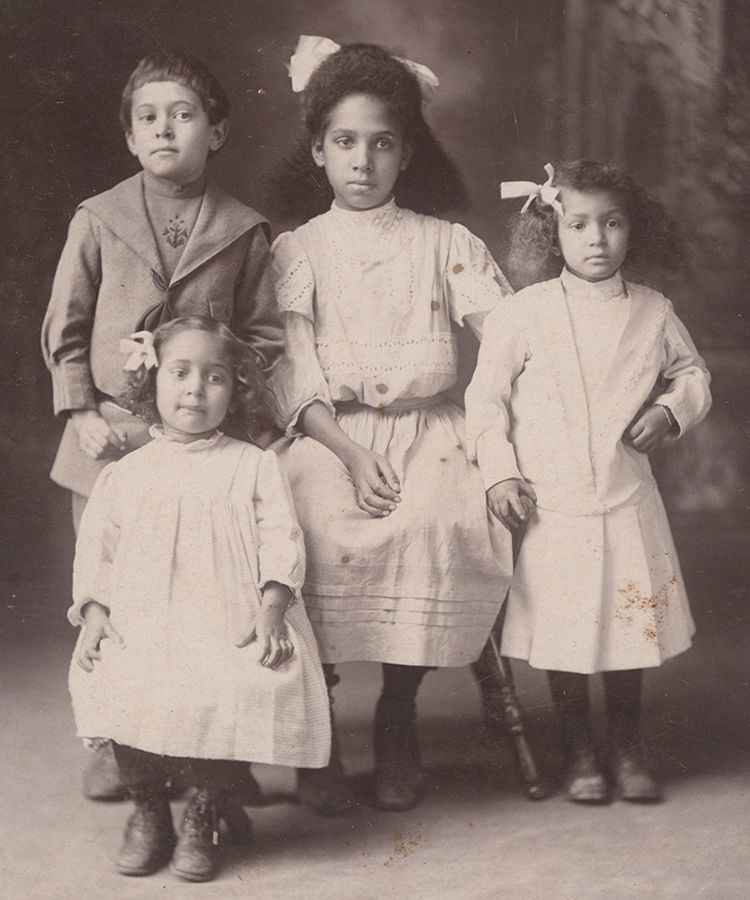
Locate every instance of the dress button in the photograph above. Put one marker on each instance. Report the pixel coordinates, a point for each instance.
(435, 305)
(381, 388)
(457, 269)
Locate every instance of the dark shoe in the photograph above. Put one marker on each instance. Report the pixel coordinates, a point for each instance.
(149, 835)
(583, 780)
(631, 775)
(398, 775)
(326, 790)
(238, 825)
(196, 856)
(101, 777)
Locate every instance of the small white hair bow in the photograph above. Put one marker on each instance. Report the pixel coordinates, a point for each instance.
(530, 189)
(140, 346)
(312, 50)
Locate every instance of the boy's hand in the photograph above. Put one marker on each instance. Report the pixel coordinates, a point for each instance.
(375, 482)
(97, 627)
(512, 501)
(95, 437)
(648, 430)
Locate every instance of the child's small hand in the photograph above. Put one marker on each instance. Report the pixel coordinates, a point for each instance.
(512, 501)
(375, 482)
(270, 628)
(273, 638)
(97, 628)
(95, 437)
(648, 430)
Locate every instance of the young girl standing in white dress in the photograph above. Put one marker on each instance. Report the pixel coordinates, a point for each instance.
(405, 567)
(190, 561)
(578, 379)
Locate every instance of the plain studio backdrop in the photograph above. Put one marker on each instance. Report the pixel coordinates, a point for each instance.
(661, 87)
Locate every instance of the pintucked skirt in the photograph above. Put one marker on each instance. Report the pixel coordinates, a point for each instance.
(422, 586)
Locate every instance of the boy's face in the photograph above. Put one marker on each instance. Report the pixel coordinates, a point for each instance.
(170, 132)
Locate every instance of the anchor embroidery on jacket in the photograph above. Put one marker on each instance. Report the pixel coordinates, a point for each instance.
(175, 232)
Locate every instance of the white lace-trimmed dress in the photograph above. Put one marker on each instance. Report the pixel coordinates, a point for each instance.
(177, 541)
(565, 367)
(368, 299)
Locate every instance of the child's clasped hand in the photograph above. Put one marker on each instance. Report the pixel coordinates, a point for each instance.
(512, 501)
(648, 430)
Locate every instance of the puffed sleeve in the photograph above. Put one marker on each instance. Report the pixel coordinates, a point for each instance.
(474, 283)
(66, 330)
(687, 395)
(96, 546)
(502, 355)
(297, 379)
(281, 550)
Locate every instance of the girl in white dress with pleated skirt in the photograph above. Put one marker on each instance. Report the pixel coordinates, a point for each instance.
(405, 567)
(195, 655)
(579, 378)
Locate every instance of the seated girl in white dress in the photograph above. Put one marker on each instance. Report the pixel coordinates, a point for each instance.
(578, 379)
(189, 562)
(405, 566)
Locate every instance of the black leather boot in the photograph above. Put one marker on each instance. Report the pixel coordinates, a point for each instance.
(326, 790)
(196, 856)
(629, 764)
(149, 834)
(399, 778)
(583, 780)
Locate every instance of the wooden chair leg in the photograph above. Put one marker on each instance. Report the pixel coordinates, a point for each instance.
(495, 674)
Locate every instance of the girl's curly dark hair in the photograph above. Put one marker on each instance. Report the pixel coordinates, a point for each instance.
(431, 183)
(655, 242)
(247, 414)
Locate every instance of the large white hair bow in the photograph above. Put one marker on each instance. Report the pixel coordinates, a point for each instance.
(312, 50)
(530, 189)
(140, 346)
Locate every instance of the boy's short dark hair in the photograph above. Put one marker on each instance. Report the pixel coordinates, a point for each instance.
(185, 70)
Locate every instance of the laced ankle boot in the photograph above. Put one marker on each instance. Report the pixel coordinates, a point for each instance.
(629, 763)
(583, 780)
(326, 790)
(398, 773)
(196, 856)
(149, 834)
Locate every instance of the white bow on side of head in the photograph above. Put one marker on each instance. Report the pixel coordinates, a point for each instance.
(312, 50)
(530, 189)
(140, 346)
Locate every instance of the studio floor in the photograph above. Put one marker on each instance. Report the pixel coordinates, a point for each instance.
(474, 836)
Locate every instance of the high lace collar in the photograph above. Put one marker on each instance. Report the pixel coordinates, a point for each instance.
(158, 434)
(580, 289)
(378, 217)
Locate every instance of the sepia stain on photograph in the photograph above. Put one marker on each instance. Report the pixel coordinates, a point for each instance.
(374, 432)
